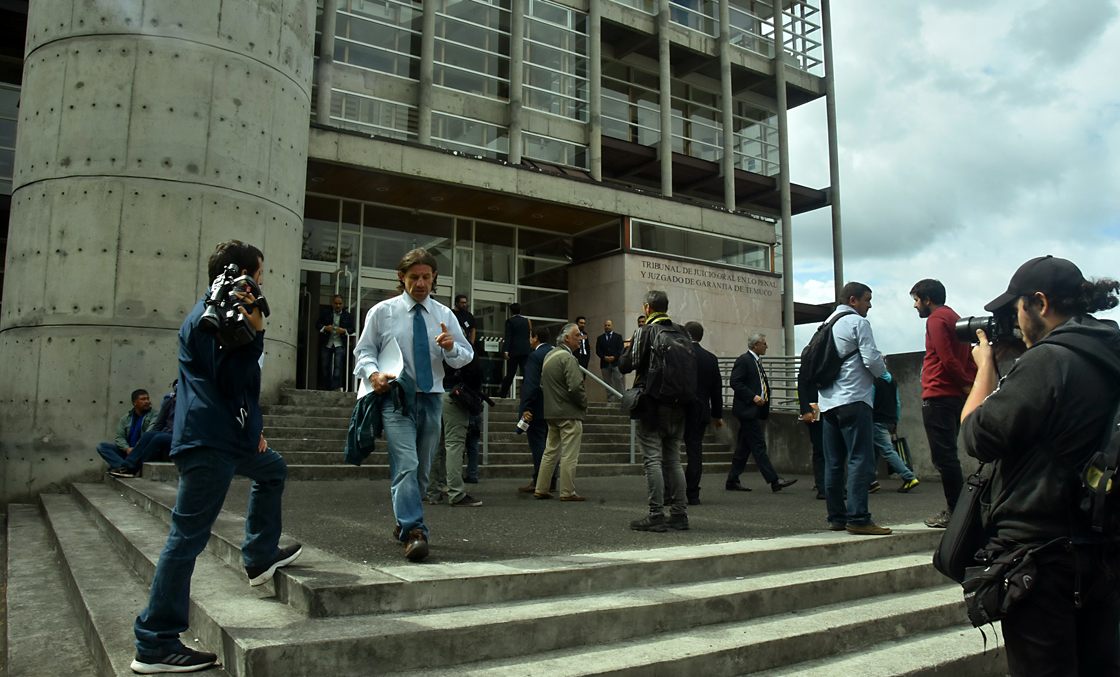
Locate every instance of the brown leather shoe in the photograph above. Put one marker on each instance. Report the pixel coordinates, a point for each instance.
(397, 533)
(528, 488)
(870, 529)
(836, 527)
(539, 495)
(573, 497)
(417, 548)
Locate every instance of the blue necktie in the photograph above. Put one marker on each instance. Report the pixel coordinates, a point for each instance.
(421, 356)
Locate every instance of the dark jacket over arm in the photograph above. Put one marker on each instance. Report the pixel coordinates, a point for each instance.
(218, 404)
(709, 383)
(532, 398)
(517, 337)
(1040, 425)
(605, 347)
(746, 383)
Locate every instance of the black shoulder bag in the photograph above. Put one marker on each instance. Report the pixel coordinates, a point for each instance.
(965, 534)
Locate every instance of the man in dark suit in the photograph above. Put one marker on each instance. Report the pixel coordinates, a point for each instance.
(516, 346)
(708, 406)
(335, 325)
(609, 348)
(752, 407)
(532, 405)
(583, 352)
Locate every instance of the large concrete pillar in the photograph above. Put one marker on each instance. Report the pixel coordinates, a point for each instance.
(595, 88)
(149, 131)
(833, 150)
(516, 80)
(665, 99)
(784, 180)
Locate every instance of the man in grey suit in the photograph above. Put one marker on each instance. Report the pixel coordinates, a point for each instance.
(565, 404)
(516, 346)
(752, 407)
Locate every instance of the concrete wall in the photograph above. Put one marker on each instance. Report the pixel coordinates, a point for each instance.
(788, 440)
(729, 303)
(149, 131)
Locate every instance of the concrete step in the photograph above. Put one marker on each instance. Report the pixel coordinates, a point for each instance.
(615, 442)
(747, 646)
(43, 627)
(166, 472)
(518, 457)
(105, 591)
(498, 417)
(959, 651)
(287, 429)
(321, 398)
(566, 603)
(325, 586)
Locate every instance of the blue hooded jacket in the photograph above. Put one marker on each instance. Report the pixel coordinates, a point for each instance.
(218, 405)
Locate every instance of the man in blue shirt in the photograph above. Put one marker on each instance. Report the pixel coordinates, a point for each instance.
(218, 433)
(423, 333)
(846, 408)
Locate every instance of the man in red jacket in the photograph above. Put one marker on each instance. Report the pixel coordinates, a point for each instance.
(947, 375)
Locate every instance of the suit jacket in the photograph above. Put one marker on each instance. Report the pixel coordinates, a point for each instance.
(746, 381)
(709, 385)
(532, 398)
(583, 352)
(608, 348)
(517, 337)
(345, 320)
(562, 383)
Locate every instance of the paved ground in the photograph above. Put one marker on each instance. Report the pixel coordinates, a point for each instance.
(353, 519)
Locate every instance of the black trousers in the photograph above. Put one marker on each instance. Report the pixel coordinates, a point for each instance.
(694, 429)
(1046, 635)
(942, 419)
(751, 441)
(816, 438)
(515, 362)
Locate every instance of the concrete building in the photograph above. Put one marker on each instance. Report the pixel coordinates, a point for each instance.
(568, 155)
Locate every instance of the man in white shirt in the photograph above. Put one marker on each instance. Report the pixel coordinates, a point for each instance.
(846, 408)
(425, 334)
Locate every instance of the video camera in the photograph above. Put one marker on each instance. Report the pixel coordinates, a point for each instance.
(222, 318)
(998, 327)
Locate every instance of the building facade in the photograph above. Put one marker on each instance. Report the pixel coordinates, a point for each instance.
(567, 155)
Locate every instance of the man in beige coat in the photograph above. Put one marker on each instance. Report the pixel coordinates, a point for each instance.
(565, 403)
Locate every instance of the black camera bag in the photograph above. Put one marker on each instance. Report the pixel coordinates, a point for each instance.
(964, 535)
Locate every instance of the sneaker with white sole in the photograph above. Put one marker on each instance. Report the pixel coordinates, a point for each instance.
(264, 574)
(939, 521)
(180, 660)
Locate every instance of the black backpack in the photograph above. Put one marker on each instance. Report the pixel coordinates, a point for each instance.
(820, 361)
(671, 377)
(1098, 503)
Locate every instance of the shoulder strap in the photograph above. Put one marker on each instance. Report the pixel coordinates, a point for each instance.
(551, 354)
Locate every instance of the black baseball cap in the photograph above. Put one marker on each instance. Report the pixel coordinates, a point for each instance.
(1051, 276)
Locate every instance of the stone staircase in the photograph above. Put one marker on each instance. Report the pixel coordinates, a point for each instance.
(823, 603)
(308, 427)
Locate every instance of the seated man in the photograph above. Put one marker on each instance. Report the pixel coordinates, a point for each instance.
(135, 422)
(154, 445)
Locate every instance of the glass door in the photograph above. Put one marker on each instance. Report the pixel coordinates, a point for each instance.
(491, 309)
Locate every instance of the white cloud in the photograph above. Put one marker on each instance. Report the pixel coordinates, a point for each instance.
(973, 136)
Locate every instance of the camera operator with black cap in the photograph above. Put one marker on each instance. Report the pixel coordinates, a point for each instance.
(1039, 425)
(218, 433)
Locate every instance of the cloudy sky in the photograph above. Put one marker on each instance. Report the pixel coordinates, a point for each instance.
(973, 136)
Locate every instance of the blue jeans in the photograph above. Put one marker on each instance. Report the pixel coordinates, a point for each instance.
(848, 432)
(332, 376)
(885, 447)
(111, 453)
(204, 477)
(474, 434)
(152, 446)
(412, 441)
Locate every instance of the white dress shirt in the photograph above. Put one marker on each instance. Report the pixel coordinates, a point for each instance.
(392, 319)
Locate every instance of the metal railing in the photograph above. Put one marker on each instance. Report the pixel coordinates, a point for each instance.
(633, 449)
(781, 372)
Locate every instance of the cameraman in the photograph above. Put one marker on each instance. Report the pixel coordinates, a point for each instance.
(1039, 424)
(218, 433)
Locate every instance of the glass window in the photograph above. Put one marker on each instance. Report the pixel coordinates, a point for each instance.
(554, 151)
(371, 115)
(544, 245)
(555, 53)
(320, 228)
(542, 273)
(469, 136)
(493, 253)
(388, 234)
(631, 109)
(381, 35)
(597, 242)
(472, 46)
(544, 303)
(661, 239)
